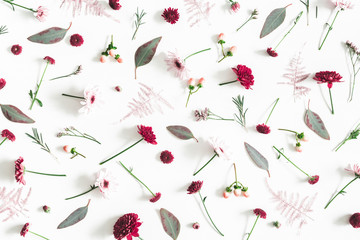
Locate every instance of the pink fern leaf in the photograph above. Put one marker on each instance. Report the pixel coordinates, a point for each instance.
(13, 202)
(198, 10)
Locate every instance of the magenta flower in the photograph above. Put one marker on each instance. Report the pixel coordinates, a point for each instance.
(235, 6)
(2, 83)
(16, 49)
(156, 198)
(244, 76)
(260, 214)
(313, 179)
(171, 15)
(76, 40)
(114, 4)
(127, 227)
(271, 52)
(355, 220)
(7, 135)
(263, 128)
(25, 230)
(166, 157)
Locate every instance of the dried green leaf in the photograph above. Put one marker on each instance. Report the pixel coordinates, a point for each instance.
(273, 21)
(49, 36)
(75, 217)
(257, 157)
(181, 132)
(170, 223)
(14, 114)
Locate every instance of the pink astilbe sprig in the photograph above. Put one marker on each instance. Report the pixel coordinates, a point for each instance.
(197, 10)
(13, 203)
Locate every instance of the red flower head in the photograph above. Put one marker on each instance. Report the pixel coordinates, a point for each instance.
(355, 220)
(328, 77)
(25, 229)
(235, 7)
(49, 59)
(194, 187)
(16, 49)
(2, 83)
(114, 4)
(262, 128)
(156, 198)
(196, 225)
(260, 212)
(20, 171)
(244, 76)
(271, 52)
(313, 179)
(166, 157)
(127, 226)
(171, 15)
(147, 134)
(76, 40)
(7, 134)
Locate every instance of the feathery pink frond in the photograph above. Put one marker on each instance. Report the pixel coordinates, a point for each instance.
(198, 10)
(13, 202)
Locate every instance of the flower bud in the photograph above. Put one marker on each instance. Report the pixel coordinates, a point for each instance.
(112, 52)
(103, 59)
(200, 82)
(245, 194)
(226, 194)
(298, 147)
(118, 88)
(2, 83)
(67, 148)
(235, 7)
(119, 60)
(277, 224)
(237, 192)
(233, 49)
(196, 225)
(46, 209)
(221, 38)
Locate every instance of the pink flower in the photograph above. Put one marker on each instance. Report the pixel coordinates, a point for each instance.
(103, 59)
(219, 148)
(171, 15)
(2, 83)
(271, 52)
(355, 220)
(114, 4)
(237, 192)
(313, 179)
(50, 60)
(16, 49)
(196, 225)
(106, 182)
(355, 170)
(7, 134)
(176, 65)
(155, 198)
(262, 128)
(235, 6)
(25, 229)
(342, 4)
(127, 227)
(41, 13)
(20, 171)
(260, 212)
(194, 187)
(166, 157)
(92, 96)
(147, 133)
(328, 77)
(76, 40)
(244, 76)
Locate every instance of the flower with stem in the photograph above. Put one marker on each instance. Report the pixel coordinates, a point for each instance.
(239, 188)
(244, 76)
(73, 132)
(259, 214)
(7, 135)
(207, 114)
(91, 99)
(356, 171)
(33, 96)
(25, 230)
(146, 133)
(138, 21)
(230, 52)
(272, 52)
(263, 128)
(311, 179)
(235, 6)
(72, 151)
(355, 62)
(191, 86)
(155, 197)
(40, 13)
(195, 187)
(298, 137)
(253, 15)
(110, 50)
(353, 135)
(76, 72)
(340, 5)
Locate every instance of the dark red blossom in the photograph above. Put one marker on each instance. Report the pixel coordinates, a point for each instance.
(16, 49)
(194, 187)
(76, 40)
(196, 225)
(171, 15)
(260, 212)
(114, 4)
(127, 226)
(166, 157)
(271, 52)
(313, 179)
(262, 128)
(328, 77)
(49, 59)
(244, 76)
(20, 171)
(2, 83)
(25, 229)
(7, 134)
(147, 134)
(156, 198)
(355, 220)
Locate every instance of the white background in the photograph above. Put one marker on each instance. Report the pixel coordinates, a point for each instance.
(233, 216)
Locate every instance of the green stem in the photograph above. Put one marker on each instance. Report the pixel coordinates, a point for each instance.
(354, 76)
(14, 4)
(61, 77)
(203, 202)
(272, 110)
(92, 188)
(330, 28)
(67, 95)
(343, 142)
(3, 141)
(245, 23)
(341, 191)
(139, 238)
(257, 218)
(332, 106)
(137, 178)
(291, 162)
(225, 56)
(38, 86)
(224, 119)
(47, 174)
(282, 129)
(196, 53)
(236, 180)
(133, 37)
(120, 152)
(222, 49)
(206, 164)
(90, 138)
(297, 19)
(38, 235)
(188, 98)
(227, 82)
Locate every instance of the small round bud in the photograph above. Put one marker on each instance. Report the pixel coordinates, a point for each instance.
(112, 52)
(67, 148)
(226, 194)
(46, 209)
(277, 224)
(233, 49)
(103, 59)
(298, 147)
(245, 194)
(221, 36)
(200, 82)
(118, 88)
(196, 225)
(191, 82)
(119, 60)
(237, 192)
(355, 220)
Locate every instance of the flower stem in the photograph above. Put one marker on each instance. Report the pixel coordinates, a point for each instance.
(331, 101)
(330, 28)
(203, 202)
(61, 77)
(343, 142)
(137, 178)
(47, 174)
(14, 4)
(222, 49)
(120, 152)
(225, 56)
(67, 95)
(3, 141)
(257, 218)
(206, 164)
(196, 53)
(224, 119)
(92, 188)
(245, 23)
(139, 238)
(295, 22)
(272, 110)
(38, 86)
(291, 162)
(188, 98)
(227, 82)
(340, 192)
(282, 129)
(38, 235)
(236, 180)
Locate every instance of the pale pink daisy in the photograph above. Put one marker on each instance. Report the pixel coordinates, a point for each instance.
(355, 170)
(106, 182)
(41, 13)
(220, 148)
(92, 96)
(343, 4)
(177, 65)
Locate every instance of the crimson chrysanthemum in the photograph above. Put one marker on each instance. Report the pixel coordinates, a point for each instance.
(76, 40)
(156, 198)
(260, 212)
(194, 187)
(355, 220)
(171, 15)
(127, 226)
(313, 179)
(2, 83)
(7, 134)
(328, 77)
(16, 49)
(271, 52)
(244, 76)
(20, 171)
(166, 157)
(147, 134)
(114, 4)
(25, 229)
(262, 128)
(49, 59)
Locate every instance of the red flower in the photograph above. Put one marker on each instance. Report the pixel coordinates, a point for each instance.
(194, 187)
(7, 134)
(355, 220)
(127, 226)
(114, 4)
(244, 76)
(260, 212)
(196, 225)
(262, 128)
(156, 198)
(2, 83)
(147, 134)
(328, 77)
(166, 157)
(25, 229)
(76, 40)
(271, 52)
(313, 179)
(16, 49)
(49, 59)
(235, 7)
(171, 15)
(20, 171)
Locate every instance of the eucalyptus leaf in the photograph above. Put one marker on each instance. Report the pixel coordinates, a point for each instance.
(170, 223)
(257, 157)
(314, 122)
(273, 21)
(14, 114)
(49, 36)
(75, 217)
(181, 132)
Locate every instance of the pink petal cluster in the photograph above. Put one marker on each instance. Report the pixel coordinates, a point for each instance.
(147, 134)
(127, 227)
(41, 13)
(244, 76)
(106, 182)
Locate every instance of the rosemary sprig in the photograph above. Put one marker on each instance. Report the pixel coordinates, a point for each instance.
(38, 139)
(73, 132)
(239, 102)
(138, 21)
(3, 29)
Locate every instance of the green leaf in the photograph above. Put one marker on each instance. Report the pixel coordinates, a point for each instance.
(14, 114)
(145, 53)
(75, 217)
(31, 94)
(257, 157)
(181, 132)
(39, 102)
(170, 223)
(314, 122)
(49, 36)
(273, 21)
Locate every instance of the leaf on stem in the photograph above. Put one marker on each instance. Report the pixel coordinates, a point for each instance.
(170, 223)
(273, 21)
(257, 157)
(14, 114)
(181, 132)
(75, 217)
